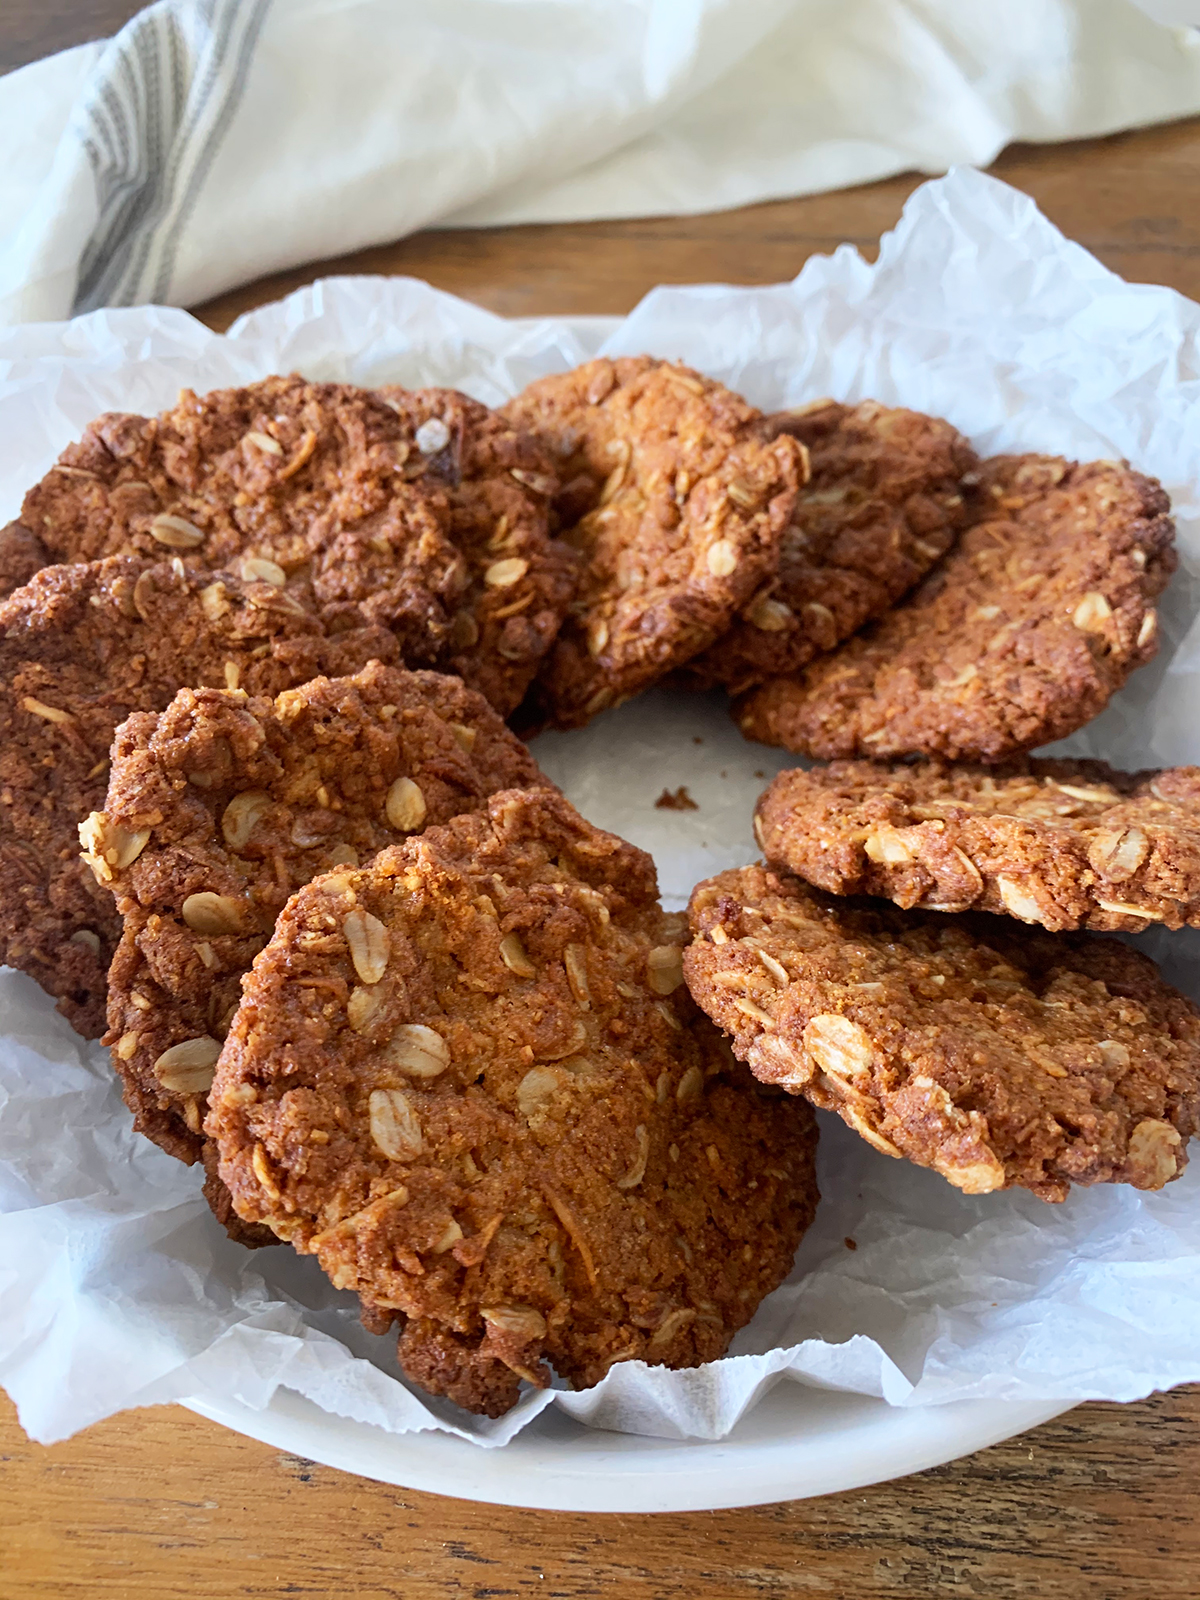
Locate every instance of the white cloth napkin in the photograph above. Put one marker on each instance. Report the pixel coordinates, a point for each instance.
(216, 140)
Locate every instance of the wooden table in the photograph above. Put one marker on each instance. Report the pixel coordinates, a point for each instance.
(1103, 1504)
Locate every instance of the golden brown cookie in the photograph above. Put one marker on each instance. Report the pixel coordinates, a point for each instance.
(81, 648)
(1021, 635)
(883, 502)
(995, 1054)
(468, 1078)
(237, 802)
(1068, 844)
(677, 506)
(421, 511)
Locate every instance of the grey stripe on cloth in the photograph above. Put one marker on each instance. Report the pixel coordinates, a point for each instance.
(151, 129)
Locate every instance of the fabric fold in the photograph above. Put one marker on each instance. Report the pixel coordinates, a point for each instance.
(213, 141)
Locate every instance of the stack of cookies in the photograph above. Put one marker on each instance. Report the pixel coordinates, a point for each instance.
(266, 828)
(910, 955)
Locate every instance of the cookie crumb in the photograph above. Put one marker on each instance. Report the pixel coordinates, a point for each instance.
(676, 800)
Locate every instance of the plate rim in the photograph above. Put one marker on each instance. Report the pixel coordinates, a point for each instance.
(678, 1476)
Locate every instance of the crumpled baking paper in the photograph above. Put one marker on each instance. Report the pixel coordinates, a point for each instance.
(117, 1288)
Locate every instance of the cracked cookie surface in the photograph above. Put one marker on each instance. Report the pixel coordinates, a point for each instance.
(1067, 844)
(81, 648)
(996, 1055)
(468, 1078)
(884, 501)
(242, 800)
(677, 506)
(1035, 618)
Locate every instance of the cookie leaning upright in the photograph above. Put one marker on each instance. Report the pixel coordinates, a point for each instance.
(884, 500)
(238, 801)
(498, 480)
(1035, 618)
(1068, 844)
(468, 1078)
(678, 508)
(996, 1055)
(81, 648)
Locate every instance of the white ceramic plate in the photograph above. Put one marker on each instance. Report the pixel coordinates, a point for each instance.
(796, 1443)
(944, 323)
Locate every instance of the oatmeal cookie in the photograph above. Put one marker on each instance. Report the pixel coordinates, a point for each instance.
(678, 508)
(1037, 616)
(239, 801)
(1068, 844)
(499, 482)
(997, 1055)
(883, 502)
(424, 512)
(282, 478)
(468, 1078)
(81, 647)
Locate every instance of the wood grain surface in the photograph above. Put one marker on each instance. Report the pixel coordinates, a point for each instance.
(1131, 199)
(159, 1505)
(1103, 1504)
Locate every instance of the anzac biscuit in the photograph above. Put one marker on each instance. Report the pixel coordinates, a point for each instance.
(1037, 616)
(241, 801)
(678, 508)
(1068, 844)
(282, 478)
(499, 481)
(81, 647)
(996, 1055)
(468, 1078)
(421, 511)
(883, 502)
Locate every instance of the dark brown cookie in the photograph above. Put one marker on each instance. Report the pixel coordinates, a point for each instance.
(499, 481)
(678, 507)
(293, 479)
(1037, 616)
(883, 502)
(81, 647)
(1068, 844)
(421, 511)
(238, 802)
(470, 1081)
(21, 555)
(995, 1054)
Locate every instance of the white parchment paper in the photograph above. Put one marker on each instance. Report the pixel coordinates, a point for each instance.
(117, 1288)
